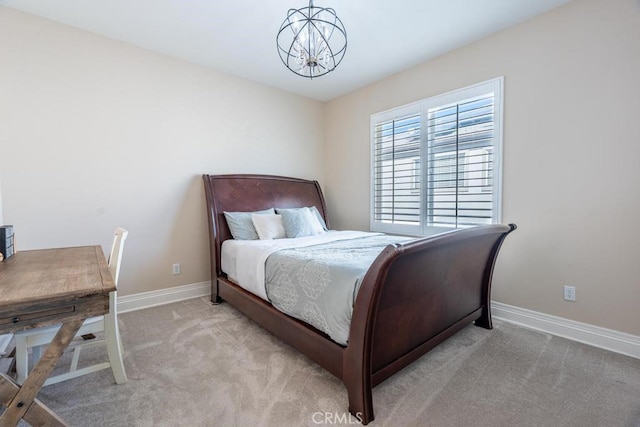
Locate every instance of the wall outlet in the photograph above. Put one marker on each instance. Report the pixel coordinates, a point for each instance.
(176, 268)
(569, 293)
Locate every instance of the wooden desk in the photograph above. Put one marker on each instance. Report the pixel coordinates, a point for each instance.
(45, 287)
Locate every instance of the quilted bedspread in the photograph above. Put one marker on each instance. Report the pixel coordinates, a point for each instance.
(318, 284)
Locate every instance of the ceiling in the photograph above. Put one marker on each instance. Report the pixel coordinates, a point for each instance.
(238, 37)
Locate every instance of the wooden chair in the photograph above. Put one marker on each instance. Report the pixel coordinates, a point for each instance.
(34, 339)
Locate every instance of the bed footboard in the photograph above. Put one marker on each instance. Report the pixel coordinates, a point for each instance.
(415, 296)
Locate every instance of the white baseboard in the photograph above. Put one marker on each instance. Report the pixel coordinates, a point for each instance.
(608, 339)
(596, 336)
(162, 296)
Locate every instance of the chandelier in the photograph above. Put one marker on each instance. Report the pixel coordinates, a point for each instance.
(311, 41)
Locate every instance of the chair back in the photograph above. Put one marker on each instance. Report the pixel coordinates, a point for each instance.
(115, 257)
(41, 337)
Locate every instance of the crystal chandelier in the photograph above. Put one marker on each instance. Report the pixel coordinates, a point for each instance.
(312, 41)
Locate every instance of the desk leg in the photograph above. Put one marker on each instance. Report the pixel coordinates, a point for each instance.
(21, 403)
(37, 415)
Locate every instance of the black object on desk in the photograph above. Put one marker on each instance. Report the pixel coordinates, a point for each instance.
(6, 241)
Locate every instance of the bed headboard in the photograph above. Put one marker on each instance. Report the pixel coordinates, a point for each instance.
(247, 193)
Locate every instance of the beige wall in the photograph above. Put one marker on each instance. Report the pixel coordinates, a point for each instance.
(1, 217)
(571, 147)
(96, 134)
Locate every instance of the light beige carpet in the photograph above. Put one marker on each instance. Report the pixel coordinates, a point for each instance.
(194, 364)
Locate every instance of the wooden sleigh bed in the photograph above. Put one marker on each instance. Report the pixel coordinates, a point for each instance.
(414, 296)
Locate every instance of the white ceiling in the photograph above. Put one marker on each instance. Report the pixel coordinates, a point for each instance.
(238, 36)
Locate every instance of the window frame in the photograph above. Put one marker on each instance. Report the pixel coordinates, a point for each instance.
(422, 107)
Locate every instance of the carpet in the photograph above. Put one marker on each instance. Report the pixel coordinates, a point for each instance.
(194, 364)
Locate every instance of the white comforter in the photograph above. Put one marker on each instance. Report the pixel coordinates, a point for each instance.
(244, 260)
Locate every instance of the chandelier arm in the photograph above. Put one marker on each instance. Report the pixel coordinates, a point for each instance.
(285, 51)
(293, 42)
(291, 13)
(324, 39)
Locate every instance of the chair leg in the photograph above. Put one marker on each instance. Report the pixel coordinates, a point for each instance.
(22, 360)
(74, 359)
(114, 348)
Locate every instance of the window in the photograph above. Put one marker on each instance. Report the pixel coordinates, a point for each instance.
(436, 164)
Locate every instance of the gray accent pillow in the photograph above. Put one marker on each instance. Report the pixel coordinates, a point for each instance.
(241, 226)
(300, 222)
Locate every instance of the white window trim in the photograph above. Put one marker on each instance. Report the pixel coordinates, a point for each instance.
(423, 107)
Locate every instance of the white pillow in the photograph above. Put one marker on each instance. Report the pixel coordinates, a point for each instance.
(269, 226)
(240, 224)
(316, 212)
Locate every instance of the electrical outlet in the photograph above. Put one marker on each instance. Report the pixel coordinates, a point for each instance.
(176, 268)
(569, 293)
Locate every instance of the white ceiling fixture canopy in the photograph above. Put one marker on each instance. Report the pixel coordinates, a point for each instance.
(312, 41)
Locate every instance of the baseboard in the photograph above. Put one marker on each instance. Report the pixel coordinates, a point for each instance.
(162, 296)
(596, 336)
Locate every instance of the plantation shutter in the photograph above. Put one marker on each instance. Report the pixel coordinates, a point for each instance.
(435, 164)
(460, 163)
(396, 171)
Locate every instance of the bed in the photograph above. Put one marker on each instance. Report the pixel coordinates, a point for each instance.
(415, 294)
